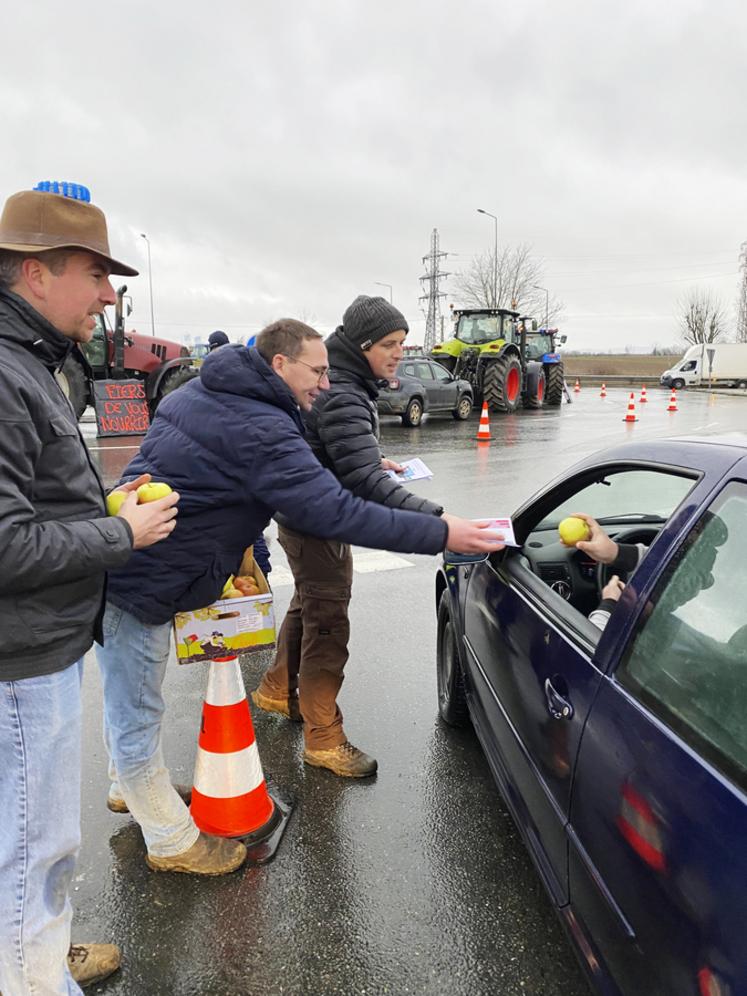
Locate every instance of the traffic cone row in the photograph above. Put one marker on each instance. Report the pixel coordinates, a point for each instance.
(230, 796)
(631, 415)
(577, 387)
(483, 432)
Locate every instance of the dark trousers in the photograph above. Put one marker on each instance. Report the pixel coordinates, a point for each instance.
(312, 646)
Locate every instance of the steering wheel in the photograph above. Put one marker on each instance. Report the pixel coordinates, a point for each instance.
(638, 534)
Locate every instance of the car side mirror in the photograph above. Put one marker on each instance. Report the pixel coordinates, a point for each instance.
(457, 559)
(563, 340)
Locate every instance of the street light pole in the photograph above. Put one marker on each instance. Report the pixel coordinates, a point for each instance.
(547, 306)
(150, 286)
(380, 284)
(495, 255)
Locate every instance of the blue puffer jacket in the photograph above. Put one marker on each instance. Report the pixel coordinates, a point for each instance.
(231, 443)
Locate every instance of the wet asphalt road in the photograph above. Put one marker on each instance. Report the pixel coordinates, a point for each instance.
(413, 882)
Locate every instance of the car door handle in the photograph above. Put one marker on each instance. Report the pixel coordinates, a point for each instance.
(560, 708)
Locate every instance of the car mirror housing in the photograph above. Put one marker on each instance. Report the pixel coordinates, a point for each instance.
(457, 559)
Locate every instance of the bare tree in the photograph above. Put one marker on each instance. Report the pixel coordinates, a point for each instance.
(701, 317)
(742, 296)
(513, 283)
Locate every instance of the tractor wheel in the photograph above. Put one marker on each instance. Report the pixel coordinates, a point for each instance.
(414, 413)
(537, 387)
(72, 381)
(554, 385)
(501, 385)
(177, 379)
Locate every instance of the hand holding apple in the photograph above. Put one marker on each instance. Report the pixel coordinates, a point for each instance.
(152, 491)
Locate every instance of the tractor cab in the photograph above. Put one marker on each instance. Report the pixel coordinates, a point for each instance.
(478, 328)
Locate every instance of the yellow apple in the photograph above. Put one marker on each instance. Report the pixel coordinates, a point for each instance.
(114, 501)
(152, 491)
(227, 586)
(572, 530)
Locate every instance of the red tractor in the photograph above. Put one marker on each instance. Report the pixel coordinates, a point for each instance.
(113, 353)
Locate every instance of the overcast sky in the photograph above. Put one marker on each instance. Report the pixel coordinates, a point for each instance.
(282, 158)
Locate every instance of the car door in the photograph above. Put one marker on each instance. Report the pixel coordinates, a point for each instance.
(658, 829)
(447, 388)
(533, 687)
(432, 389)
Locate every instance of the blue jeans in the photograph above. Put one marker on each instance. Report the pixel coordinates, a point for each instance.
(133, 664)
(40, 732)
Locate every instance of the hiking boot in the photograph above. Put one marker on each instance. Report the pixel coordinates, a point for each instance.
(120, 806)
(344, 760)
(207, 856)
(286, 707)
(89, 963)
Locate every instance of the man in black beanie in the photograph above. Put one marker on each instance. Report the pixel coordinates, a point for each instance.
(342, 429)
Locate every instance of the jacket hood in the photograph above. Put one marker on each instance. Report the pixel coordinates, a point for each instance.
(235, 369)
(21, 323)
(348, 362)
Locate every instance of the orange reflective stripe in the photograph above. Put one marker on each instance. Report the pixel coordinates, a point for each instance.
(226, 728)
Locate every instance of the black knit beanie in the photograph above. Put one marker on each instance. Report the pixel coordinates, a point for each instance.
(369, 319)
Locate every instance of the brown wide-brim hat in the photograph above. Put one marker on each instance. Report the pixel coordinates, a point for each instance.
(35, 221)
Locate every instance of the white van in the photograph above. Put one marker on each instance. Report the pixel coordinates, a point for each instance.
(723, 363)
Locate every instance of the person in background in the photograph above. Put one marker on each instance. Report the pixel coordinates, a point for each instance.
(216, 340)
(57, 543)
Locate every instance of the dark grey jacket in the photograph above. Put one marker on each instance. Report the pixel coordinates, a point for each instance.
(56, 540)
(342, 429)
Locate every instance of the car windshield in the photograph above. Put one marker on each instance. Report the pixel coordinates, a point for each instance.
(628, 496)
(479, 328)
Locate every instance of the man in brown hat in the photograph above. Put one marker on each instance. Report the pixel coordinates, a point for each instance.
(57, 544)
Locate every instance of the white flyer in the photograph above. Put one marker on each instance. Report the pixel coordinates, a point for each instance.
(502, 525)
(414, 470)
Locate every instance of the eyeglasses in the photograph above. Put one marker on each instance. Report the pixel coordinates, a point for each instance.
(321, 372)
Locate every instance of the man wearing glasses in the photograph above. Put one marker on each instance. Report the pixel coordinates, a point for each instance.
(231, 443)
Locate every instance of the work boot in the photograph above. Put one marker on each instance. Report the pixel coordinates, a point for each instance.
(207, 856)
(345, 760)
(286, 707)
(120, 806)
(89, 963)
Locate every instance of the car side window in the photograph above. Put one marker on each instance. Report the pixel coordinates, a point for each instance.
(424, 371)
(408, 370)
(688, 662)
(440, 373)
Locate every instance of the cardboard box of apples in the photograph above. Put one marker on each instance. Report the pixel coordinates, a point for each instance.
(241, 621)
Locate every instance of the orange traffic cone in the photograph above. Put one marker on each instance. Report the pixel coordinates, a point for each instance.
(483, 432)
(631, 415)
(603, 392)
(230, 796)
(673, 402)
(643, 399)
(577, 387)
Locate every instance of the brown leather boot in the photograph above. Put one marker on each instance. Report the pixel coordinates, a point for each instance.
(286, 707)
(89, 963)
(345, 760)
(120, 806)
(207, 856)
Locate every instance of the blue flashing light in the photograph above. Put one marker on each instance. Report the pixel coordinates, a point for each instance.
(76, 191)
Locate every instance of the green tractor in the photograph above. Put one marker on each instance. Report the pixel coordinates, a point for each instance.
(506, 359)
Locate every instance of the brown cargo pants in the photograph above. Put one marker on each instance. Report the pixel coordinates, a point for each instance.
(312, 646)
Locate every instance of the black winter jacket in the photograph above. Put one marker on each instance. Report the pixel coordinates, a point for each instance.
(343, 430)
(231, 443)
(55, 537)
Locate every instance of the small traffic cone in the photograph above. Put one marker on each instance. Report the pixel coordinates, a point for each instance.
(673, 402)
(230, 796)
(483, 432)
(631, 415)
(643, 399)
(577, 387)
(603, 392)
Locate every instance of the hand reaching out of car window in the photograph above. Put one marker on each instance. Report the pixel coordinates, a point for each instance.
(599, 546)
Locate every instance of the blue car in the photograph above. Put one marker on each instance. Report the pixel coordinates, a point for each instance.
(621, 752)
